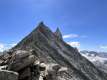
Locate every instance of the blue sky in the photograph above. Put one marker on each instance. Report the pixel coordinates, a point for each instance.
(83, 23)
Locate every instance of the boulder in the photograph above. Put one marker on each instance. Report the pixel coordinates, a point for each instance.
(8, 75)
(25, 74)
(19, 64)
(19, 54)
(42, 67)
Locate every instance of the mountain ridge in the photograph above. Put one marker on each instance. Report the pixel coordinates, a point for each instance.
(99, 59)
(50, 48)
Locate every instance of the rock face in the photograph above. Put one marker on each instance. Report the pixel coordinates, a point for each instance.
(8, 75)
(54, 59)
(50, 48)
(99, 59)
(20, 59)
(58, 34)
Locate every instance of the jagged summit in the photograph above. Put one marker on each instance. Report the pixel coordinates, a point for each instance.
(40, 33)
(58, 34)
(49, 49)
(41, 25)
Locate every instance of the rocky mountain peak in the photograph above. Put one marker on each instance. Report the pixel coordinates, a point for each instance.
(58, 34)
(44, 30)
(49, 50)
(42, 27)
(41, 23)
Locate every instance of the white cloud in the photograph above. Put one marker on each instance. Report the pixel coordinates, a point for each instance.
(4, 46)
(74, 44)
(73, 36)
(103, 47)
(12, 45)
(1, 47)
(70, 36)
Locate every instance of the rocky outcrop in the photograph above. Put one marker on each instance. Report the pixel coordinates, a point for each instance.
(23, 65)
(49, 49)
(8, 75)
(58, 34)
(20, 60)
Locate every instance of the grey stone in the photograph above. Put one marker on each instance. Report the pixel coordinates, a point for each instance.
(21, 63)
(8, 75)
(25, 74)
(50, 48)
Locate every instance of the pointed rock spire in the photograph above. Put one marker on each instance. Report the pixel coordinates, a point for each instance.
(43, 29)
(41, 23)
(40, 26)
(58, 34)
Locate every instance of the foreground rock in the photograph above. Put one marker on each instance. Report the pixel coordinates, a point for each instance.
(29, 68)
(8, 75)
(20, 64)
(19, 61)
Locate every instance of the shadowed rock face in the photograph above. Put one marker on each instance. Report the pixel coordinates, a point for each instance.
(50, 48)
(8, 75)
(58, 34)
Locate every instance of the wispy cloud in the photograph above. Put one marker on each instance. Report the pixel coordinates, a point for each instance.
(74, 44)
(70, 36)
(4, 46)
(103, 47)
(73, 36)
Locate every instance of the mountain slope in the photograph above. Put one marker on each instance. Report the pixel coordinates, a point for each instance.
(99, 59)
(50, 48)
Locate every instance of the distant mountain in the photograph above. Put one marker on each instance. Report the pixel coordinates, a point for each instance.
(99, 59)
(50, 47)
